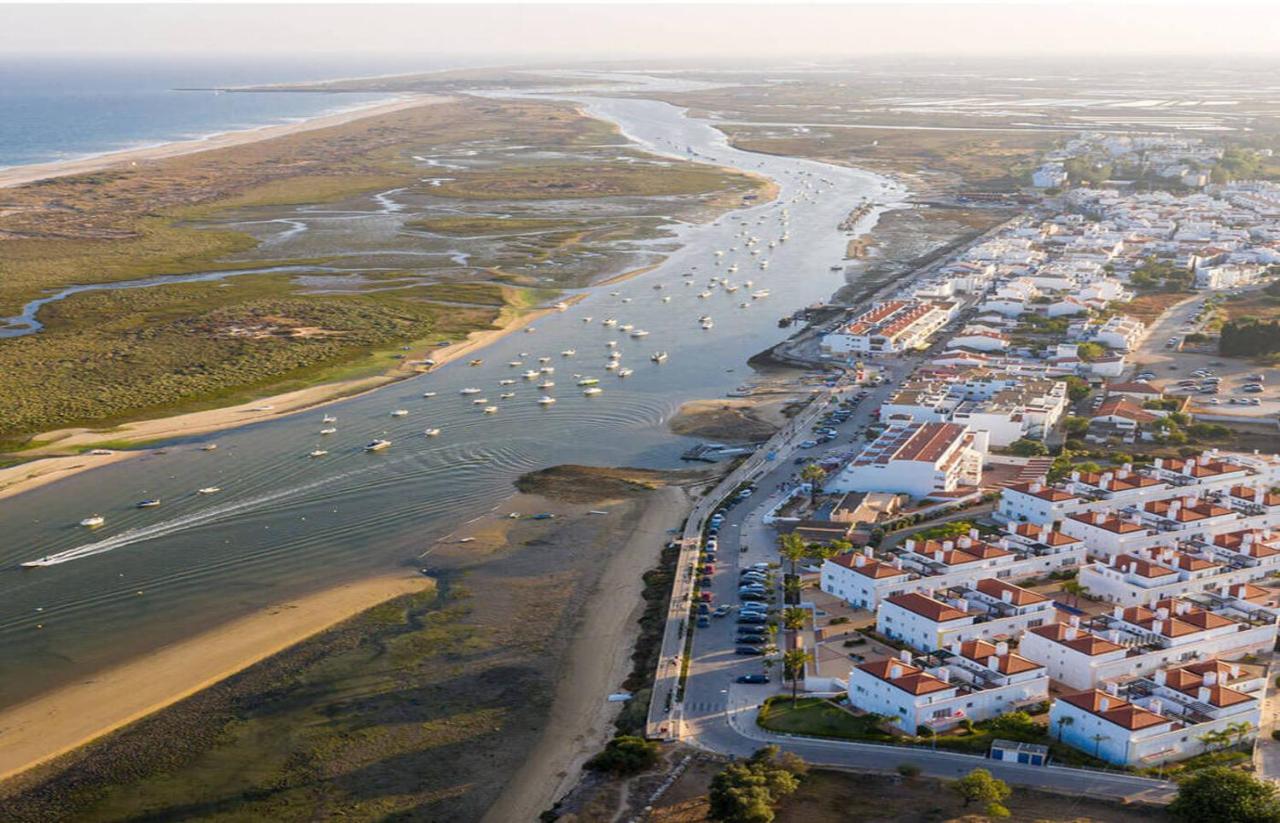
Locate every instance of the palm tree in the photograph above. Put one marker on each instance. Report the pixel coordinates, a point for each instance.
(793, 547)
(1076, 590)
(794, 618)
(794, 661)
(1238, 731)
(1064, 721)
(1214, 740)
(1097, 744)
(813, 474)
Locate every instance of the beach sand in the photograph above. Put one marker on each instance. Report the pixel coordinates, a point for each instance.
(53, 724)
(21, 175)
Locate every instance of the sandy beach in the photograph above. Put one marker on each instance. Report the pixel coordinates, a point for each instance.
(21, 175)
(58, 722)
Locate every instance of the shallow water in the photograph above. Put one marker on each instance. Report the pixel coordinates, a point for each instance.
(285, 523)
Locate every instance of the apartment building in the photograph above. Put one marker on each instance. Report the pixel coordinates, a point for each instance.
(919, 459)
(991, 610)
(891, 327)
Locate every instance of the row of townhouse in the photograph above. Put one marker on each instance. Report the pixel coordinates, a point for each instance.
(891, 327)
(864, 581)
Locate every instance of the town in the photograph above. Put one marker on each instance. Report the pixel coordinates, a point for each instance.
(1033, 517)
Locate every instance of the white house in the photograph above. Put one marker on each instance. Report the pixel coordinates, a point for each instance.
(919, 459)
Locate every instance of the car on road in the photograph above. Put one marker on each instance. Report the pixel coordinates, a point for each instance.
(750, 640)
(704, 608)
(1253, 388)
(1255, 378)
(706, 597)
(808, 444)
(705, 583)
(749, 619)
(753, 651)
(753, 679)
(757, 596)
(703, 621)
(754, 608)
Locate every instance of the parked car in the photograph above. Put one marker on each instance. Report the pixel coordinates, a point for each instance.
(752, 596)
(753, 679)
(704, 608)
(703, 621)
(754, 651)
(750, 619)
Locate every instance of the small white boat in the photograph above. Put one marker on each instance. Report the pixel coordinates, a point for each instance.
(490, 409)
(611, 365)
(93, 521)
(148, 504)
(593, 391)
(101, 452)
(638, 333)
(707, 324)
(428, 394)
(615, 355)
(568, 352)
(625, 372)
(431, 432)
(704, 295)
(263, 408)
(612, 344)
(328, 430)
(317, 453)
(588, 381)
(586, 320)
(506, 395)
(209, 490)
(507, 382)
(764, 264)
(400, 413)
(626, 300)
(470, 390)
(377, 445)
(658, 357)
(666, 299)
(548, 370)
(626, 327)
(529, 330)
(562, 306)
(531, 374)
(329, 418)
(609, 322)
(759, 294)
(208, 447)
(479, 401)
(476, 362)
(732, 268)
(546, 384)
(515, 363)
(544, 359)
(545, 400)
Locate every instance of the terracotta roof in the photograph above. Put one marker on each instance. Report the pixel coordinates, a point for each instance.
(1114, 709)
(871, 568)
(911, 679)
(1110, 523)
(1009, 663)
(1020, 596)
(1141, 566)
(930, 441)
(926, 607)
(1123, 407)
(1044, 493)
(1084, 642)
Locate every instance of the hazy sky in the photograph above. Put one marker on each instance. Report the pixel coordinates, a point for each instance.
(628, 31)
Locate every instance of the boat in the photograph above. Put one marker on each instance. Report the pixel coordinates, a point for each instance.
(638, 333)
(545, 400)
(529, 330)
(329, 418)
(548, 369)
(593, 391)
(149, 503)
(208, 447)
(764, 264)
(609, 322)
(707, 323)
(263, 408)
(506, 395)
(209, 490)
(479, 401)
(470, 390)
(544, 359)
(612, 344)
(476, 362)
(317, 453)
(531, 374)
(562, 306)
(658, 357)
(588, 381)
(615, 355)
(626, 300)
(328, 430)
(428, 394)
(625, 372)
(377, 445)
(611, 365)
(400, 413)
(732, 268)
(626, 327)
(515, 363)
(546, 384)
(759, 293)
(490, 409)
(93, 521)
(704, 295)
(586, 320)
(431, 432)
(666, 299)
(568, 352)
(101, 452)
(506, 382)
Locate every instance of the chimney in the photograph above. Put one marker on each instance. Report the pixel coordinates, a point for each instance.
(859, 560)
(1211, 678)
(1114, 636)
(943, 674)
(866, 550)
(1071, 633)
(964, 542)
(1103, 704)
(1234, 668)
(1156, 706)
(1074, 620)
(904, 656)
(1006, 596)
(954, 647)
(1099, 517)
(1075, 477)
(911, 544)
(1160, 677)
(1118, 612)
(1002, 648)
(1113, 689)
(973, 534)
(948, 545)
(937, 555)
(1106, 479)
(895, 671)
(1187, 467)
(1181, 607)
(1158, 463)
(1202, 694)
(992, 661)
(1035, 487)
(1162, 613)
(1044, 534)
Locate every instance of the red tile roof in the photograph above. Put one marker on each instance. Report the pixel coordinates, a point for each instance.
(926, 607)
(1114, 709)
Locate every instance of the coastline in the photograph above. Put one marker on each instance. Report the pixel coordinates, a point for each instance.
(31, 173)
(58, 722)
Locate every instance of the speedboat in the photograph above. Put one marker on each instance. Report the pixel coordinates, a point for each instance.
(428, 394)
(546, 384)
(638, 333)
(317, 453)
(329, 418)
(490, 409)
(209, 490)
(377, 445)
(531, 374)
(470, 390)
(506, 395)
(93, 521)
(568, 352)
(593, 391)
(611, 365)
(547, 370)
(149, 503)
(479, 401)
(625, 372)
(658, 357)
(328, 430)
(431, 432)
(515, 363)
(400, 413)
(545, 400)
(588, 381)
(208, 447)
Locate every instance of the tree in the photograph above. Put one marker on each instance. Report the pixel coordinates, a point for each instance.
(1238, 731)
(813, 474)
(1215, 739)
(1076, 590)
(793, 664)
(1077, 388)
(1064, 720)
(747, 792)
(1089, 352)
(793, 548)
(1028, 448)
(1097, 744)
(1224, 794)
(794, 618)
(626, 754)
(978, 786)
(1075, 425)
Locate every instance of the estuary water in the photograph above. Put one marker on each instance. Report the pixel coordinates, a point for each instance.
(284, 523)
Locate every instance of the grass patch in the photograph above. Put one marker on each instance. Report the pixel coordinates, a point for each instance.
(819, 717)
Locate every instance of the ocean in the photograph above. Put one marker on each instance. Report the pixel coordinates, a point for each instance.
(62, 108)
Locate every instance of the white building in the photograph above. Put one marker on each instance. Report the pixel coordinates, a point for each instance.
(991, 610)
(919, 459)
(891, 327)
